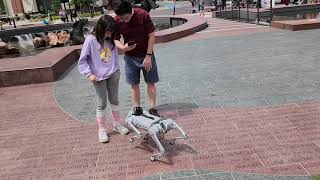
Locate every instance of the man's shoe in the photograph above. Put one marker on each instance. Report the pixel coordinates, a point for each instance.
(154, 112)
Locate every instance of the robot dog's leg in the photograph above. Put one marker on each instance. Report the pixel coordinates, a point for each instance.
(170, 124)
(153, 133)
(183, 134)
(131, 126)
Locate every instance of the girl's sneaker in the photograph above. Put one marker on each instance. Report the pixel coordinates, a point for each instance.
(121, 129)
(103, 137)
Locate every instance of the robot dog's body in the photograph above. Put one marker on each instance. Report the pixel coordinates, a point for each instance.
(155, 126)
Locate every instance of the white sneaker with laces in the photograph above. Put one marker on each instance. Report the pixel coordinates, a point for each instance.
(103, 137)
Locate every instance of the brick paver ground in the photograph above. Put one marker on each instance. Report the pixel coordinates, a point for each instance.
(249, 103)
(40, 141)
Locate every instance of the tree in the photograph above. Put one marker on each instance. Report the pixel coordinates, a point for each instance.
(82, 3)
(55, 5)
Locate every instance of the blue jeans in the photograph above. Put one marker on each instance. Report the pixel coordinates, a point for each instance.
(133, 67)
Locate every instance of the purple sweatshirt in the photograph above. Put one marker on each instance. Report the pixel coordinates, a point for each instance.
(99, 61)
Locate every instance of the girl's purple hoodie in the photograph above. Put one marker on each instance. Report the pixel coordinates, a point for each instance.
(99, 61)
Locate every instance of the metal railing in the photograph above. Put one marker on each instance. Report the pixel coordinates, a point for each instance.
(245, 10)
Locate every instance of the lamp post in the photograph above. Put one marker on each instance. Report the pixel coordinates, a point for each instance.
(258, 5)
(271, 12)
(14, 22)
(70, 12)
(238, 2)
(174, 7)
(247, 10)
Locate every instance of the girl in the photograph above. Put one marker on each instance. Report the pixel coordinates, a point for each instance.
(99, 63)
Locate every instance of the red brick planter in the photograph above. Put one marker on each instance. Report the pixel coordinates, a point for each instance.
(297, 25)
(193, 25)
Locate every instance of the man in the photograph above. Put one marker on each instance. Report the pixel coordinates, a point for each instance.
(137, 28)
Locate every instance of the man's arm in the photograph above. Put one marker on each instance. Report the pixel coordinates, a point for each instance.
(152, 40)
(147, 61)
(123, 48)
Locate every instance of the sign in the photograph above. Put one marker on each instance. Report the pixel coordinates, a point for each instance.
(266, 3)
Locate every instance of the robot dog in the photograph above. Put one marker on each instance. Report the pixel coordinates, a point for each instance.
(154, 126)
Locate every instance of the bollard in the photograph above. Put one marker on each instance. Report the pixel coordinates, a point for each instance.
(258, 4)
(271, 12)
(238, 10)
(50, 17)
(232, 10)
(248, 10)
(14, 23)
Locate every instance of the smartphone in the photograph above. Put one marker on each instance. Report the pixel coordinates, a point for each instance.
(130, 43)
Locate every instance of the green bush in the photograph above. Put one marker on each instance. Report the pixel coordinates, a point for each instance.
(55, 18)
(89, 14)
(316, 177)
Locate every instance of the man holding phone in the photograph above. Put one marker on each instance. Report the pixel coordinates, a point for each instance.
(137, 30)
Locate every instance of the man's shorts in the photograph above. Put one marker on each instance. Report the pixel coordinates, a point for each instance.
(133, 67)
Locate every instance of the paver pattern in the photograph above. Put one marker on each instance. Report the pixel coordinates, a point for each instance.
(261, 69)
(40, 141)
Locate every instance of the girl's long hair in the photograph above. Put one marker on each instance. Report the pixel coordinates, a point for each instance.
(105, 23)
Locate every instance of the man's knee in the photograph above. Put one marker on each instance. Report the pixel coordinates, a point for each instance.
(135, 86)
(151, 85)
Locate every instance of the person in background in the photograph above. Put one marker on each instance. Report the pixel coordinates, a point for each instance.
(62, 14)
(202, 8)
(105, 11)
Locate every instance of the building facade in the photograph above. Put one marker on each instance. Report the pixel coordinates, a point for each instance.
(19, 7)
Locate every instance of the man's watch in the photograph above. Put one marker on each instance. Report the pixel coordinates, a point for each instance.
(148, 54)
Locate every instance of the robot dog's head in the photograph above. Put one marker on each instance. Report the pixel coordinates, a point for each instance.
(137, 111)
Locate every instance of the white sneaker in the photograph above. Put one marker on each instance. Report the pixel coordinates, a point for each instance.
(103, 137)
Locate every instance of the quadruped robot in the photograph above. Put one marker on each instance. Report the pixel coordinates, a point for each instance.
(155, 127)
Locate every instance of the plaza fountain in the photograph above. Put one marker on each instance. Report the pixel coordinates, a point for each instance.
(23, 40)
